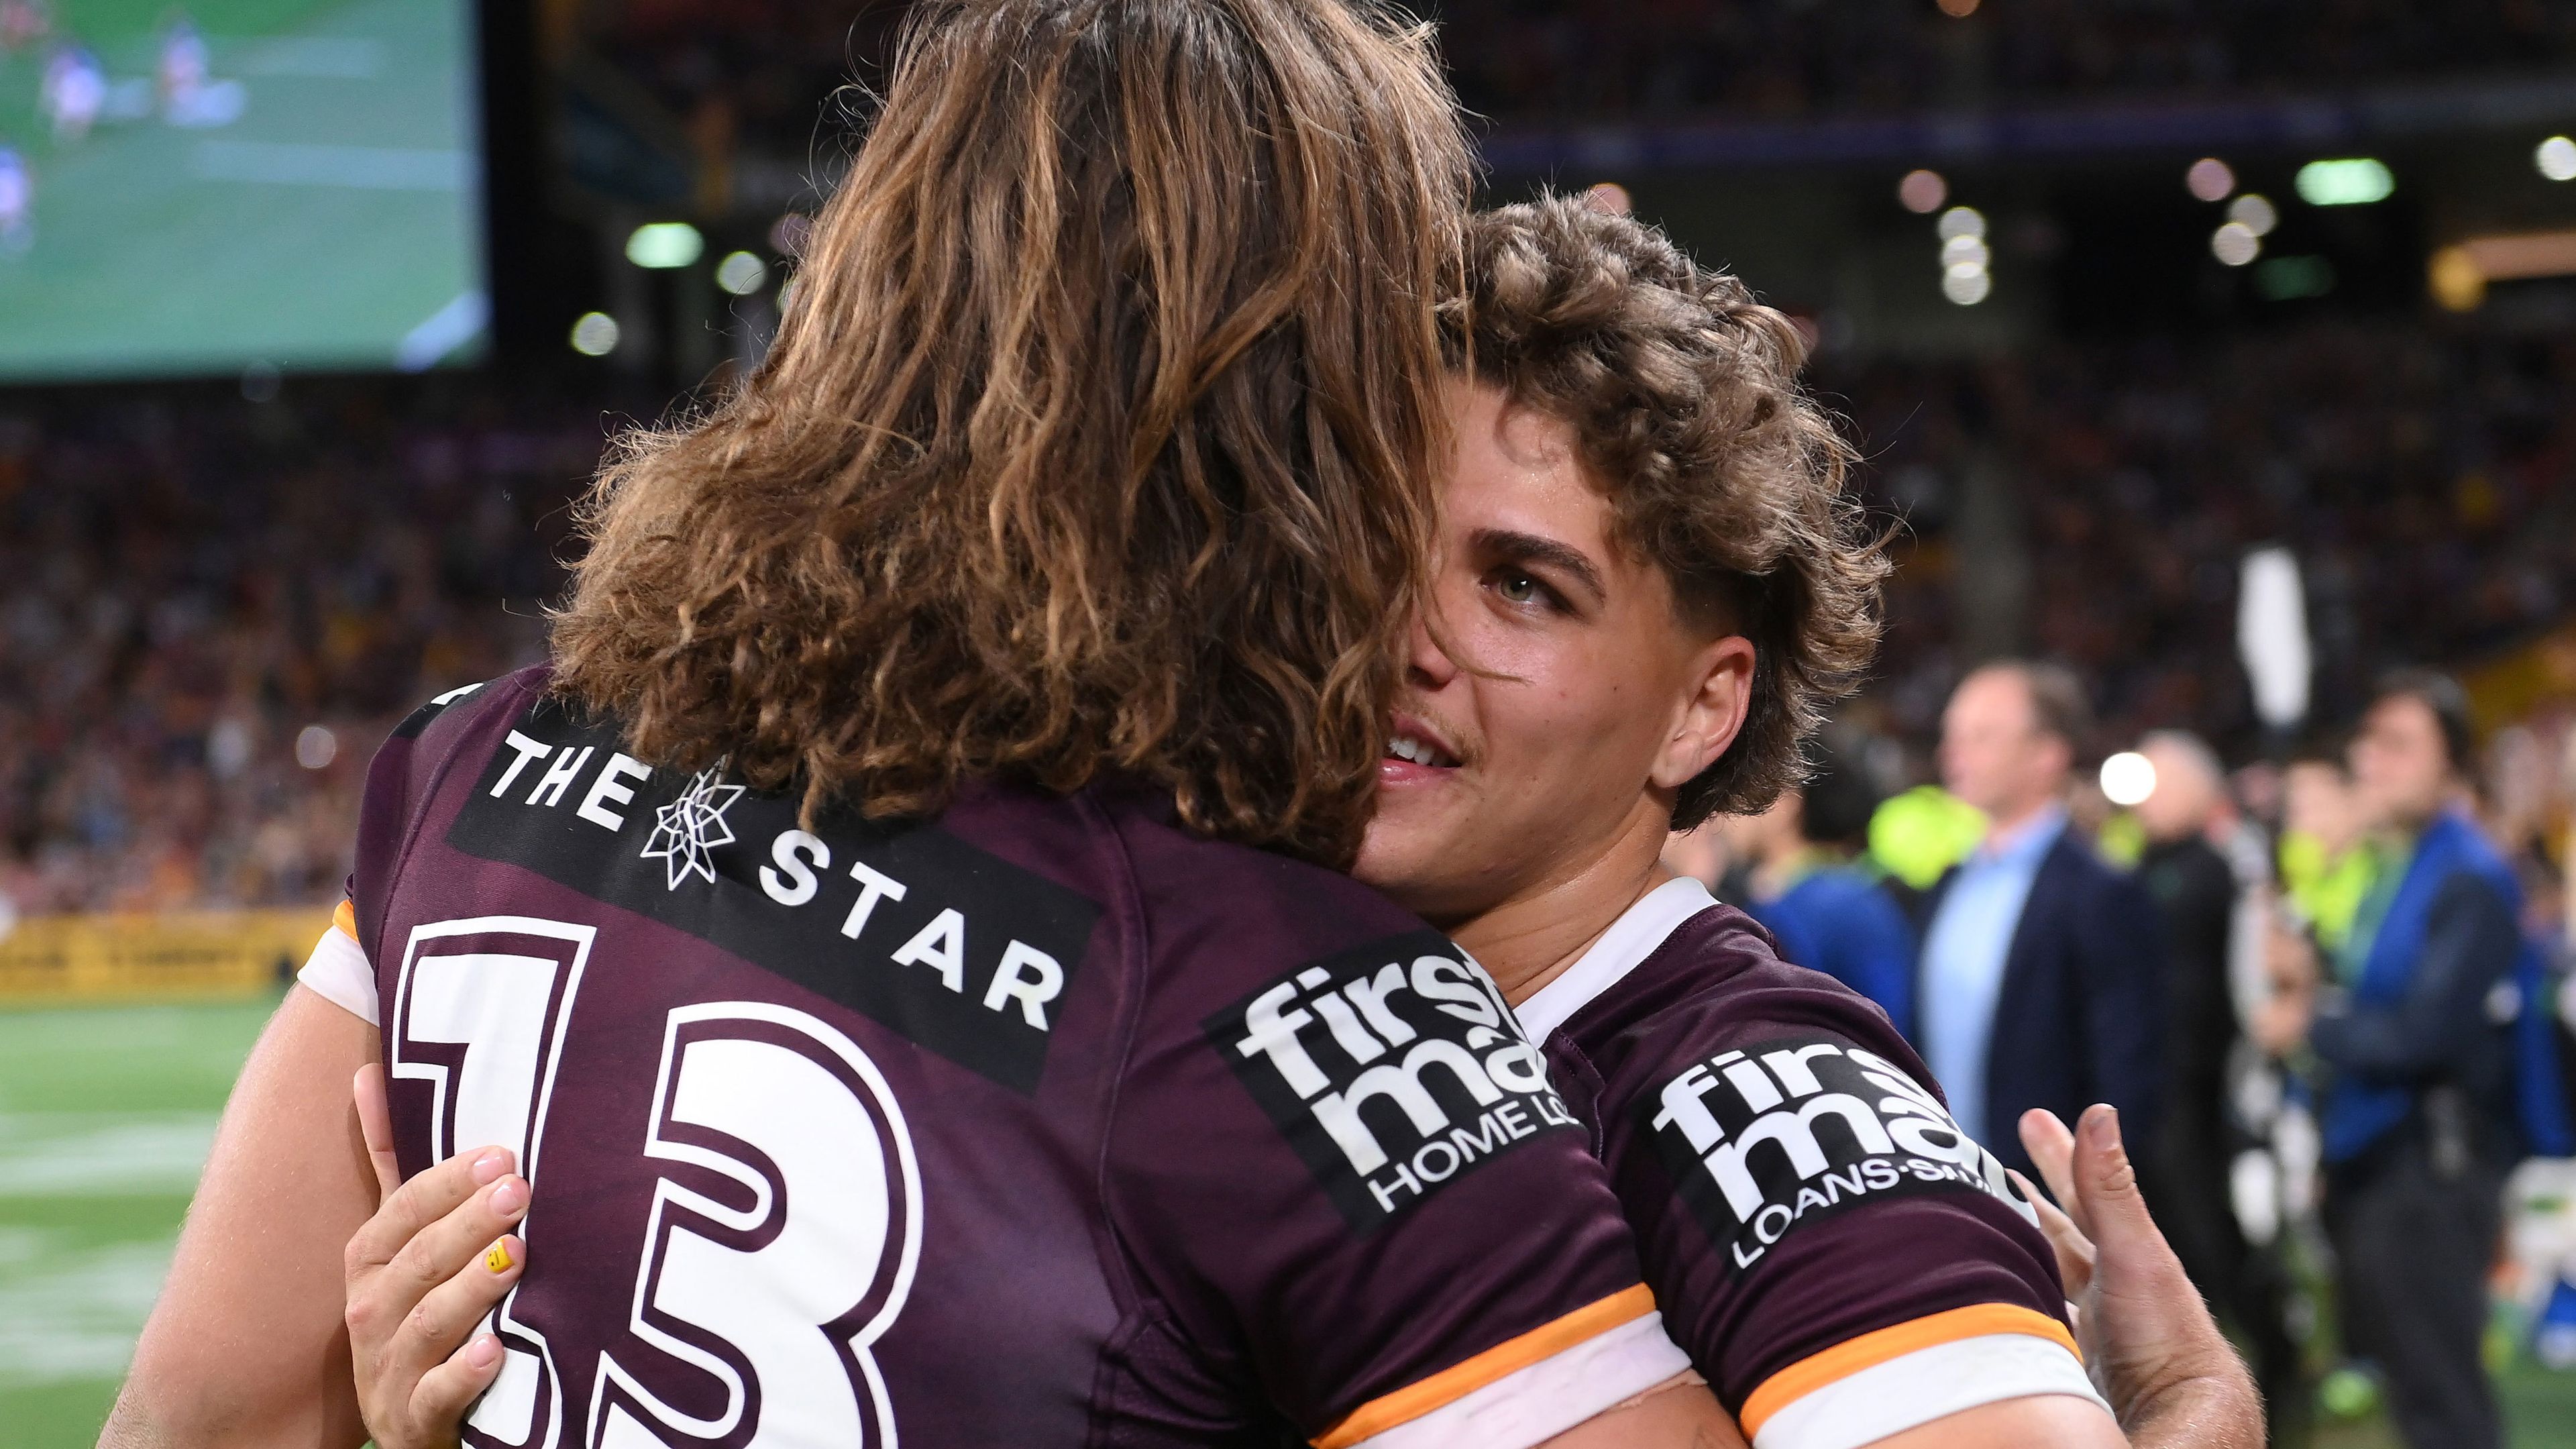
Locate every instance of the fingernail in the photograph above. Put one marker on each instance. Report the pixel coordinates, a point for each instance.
(498, 1260)
(510, 1197)
(483, 1352)
(491, 1164)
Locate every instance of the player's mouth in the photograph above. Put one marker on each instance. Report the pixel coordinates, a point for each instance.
(1415, 754)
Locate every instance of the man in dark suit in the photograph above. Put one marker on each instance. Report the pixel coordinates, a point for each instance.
(2042, 981)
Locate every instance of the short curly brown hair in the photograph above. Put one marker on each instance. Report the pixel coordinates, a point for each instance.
(1683, 396)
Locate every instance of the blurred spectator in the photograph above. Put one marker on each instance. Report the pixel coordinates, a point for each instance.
(2042, 973)
(2327, 857)
(1810, 887)
(2208, 871)
(2417, 1107)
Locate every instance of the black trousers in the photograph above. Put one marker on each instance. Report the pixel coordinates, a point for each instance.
(2247, 1287)
(2414, 1228)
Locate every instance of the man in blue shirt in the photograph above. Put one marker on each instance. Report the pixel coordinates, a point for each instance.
(1809, 888)
(2042, 981)
(2417, 1107)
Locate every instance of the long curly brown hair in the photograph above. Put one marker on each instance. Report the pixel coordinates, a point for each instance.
(1682, 392)
(1098, 436)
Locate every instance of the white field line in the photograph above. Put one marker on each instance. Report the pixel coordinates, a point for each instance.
(102, 1154)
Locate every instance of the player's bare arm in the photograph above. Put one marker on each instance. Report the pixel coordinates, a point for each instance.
(245, 1346)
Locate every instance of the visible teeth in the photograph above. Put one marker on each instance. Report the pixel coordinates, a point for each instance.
(1417, 751)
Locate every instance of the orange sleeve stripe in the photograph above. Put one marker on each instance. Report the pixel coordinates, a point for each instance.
(345, 920)
(1872, 1349)
(1499, 1362)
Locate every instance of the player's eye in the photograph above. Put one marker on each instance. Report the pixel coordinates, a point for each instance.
(1517, 586)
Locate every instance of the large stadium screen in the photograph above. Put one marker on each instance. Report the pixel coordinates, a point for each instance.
(231, 184)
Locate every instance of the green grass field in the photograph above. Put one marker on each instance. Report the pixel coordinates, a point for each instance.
(105, 1117)
(338, 216)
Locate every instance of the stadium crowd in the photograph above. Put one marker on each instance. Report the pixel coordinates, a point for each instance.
(197, 582)
(752, 70)
(213, 611)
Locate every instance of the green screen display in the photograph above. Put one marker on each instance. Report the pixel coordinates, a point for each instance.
(230, 184)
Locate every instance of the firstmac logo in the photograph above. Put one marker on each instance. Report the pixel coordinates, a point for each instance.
(1786, 1132)
(1392, 1069)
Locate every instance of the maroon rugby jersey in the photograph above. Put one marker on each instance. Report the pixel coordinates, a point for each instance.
(1841, 1262)
(1042, 1123)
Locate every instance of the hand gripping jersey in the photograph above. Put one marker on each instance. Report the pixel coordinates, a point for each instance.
(1040, 1124)
(1841, 1261)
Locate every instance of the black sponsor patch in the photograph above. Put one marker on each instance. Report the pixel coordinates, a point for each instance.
(418, 720)
(949, 945)
(1392, 1068)
(1787, 1132)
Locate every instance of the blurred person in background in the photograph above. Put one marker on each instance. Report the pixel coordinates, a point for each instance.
(2327, 857)
(2207, 870)
(2416, 1109)
(2042, 983)
(1811, 887)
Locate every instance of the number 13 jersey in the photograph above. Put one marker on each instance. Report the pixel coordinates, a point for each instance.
(1038, 1123)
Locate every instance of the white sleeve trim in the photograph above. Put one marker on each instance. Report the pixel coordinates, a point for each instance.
(1914, 1389)
(338, 972)
(1534, 1404)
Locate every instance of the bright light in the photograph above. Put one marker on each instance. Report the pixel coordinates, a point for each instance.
(1962, 221)
(1968, 249)
(2357, 181)
(2235, 244)
(2128, 778)
(2556, 159)
(1922, 192)
(665, 244)
(1958, 9)
(2210, 179)
(1966, 284)
(741, 274)
(2457, 282)
(787, 234)
(595, 335)
(316, 747)
(2256, 213)
(1609, 197)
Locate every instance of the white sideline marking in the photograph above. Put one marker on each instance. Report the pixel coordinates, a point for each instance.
(73, 1314)
(102, 1154)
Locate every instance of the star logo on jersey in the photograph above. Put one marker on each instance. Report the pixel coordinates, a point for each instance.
(687, 829)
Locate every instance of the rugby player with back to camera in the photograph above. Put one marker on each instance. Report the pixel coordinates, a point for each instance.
(858, 932)
(1522, 805)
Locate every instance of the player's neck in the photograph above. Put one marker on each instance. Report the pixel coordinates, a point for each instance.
(1528, 941)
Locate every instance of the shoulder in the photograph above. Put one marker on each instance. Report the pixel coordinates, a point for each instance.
(1717, 984)
(1239, 901)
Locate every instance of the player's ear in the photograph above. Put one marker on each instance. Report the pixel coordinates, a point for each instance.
(1712, 712)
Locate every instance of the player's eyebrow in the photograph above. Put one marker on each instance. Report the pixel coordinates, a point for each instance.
(1508, 543)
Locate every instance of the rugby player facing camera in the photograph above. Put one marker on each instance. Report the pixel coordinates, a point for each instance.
(1648, 589)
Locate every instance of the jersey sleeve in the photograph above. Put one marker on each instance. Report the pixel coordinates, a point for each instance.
(1354, 1187)
(1841, 1261)
(341, 967)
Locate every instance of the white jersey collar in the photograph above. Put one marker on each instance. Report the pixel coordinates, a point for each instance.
(1631, 939)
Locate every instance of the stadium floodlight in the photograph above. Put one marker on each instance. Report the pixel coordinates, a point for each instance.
(2352, 181)
(595, 335)
(2256, 211)
(2235, 244)
(2128, 778)
(2210, 179)
(741, 273)
(1967, 283)
(2556, 158)
(662, 245)
(1962, 221)
(1922, 192)
(1965, 249)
